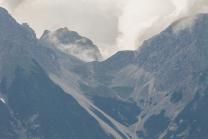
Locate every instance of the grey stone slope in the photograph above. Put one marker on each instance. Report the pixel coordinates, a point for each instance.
(167, 73)
(32, 105)
(162, 74)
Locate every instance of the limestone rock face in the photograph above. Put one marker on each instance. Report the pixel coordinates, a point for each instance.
(19, 42)
(32, 105)
(72, 43)
(48, 90)
(168, 74)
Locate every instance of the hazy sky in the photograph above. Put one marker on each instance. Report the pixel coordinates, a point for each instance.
(112, 25)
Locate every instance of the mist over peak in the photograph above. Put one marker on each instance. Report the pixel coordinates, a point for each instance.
(113, 25)
(59, 87)
(72, 43)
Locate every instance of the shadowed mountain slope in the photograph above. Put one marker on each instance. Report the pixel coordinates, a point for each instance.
(168, 74)
(32, 105)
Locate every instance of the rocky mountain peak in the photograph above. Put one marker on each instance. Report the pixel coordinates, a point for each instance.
(31, 33)
(72, 43)
(32, 105)
(64, 30)
(46, 32)
(19, 42)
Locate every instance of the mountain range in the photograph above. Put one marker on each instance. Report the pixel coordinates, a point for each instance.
(60, 87)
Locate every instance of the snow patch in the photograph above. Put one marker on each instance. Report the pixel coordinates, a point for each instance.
(2, 100)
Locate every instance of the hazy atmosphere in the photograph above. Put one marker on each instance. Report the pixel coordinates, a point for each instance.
(112, 25)
(104, 69)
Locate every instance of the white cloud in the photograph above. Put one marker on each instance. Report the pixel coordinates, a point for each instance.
(89, 18)
(143, 19)
(83, 54)
(13, 3)
(111, 24)
(108, 50)
(87, 55)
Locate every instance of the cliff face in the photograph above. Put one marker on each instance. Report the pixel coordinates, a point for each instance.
(19, 42)
(168, 74)
(72, 43)
(31, 104)
(159, 91)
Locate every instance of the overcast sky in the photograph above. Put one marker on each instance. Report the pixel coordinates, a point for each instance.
(112, 25)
